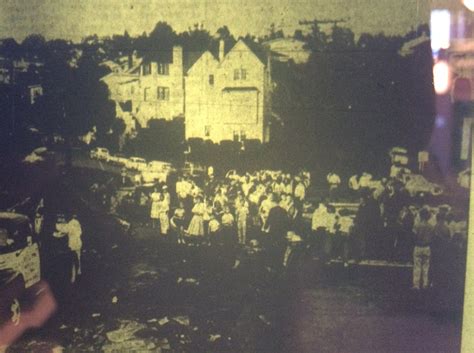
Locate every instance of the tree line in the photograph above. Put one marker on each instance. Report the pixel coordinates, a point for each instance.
(353, 100)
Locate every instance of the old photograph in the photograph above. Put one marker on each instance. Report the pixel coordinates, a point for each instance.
(247, 176)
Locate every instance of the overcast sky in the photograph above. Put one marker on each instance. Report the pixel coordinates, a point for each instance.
(74, 19)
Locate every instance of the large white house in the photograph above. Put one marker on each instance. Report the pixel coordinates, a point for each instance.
(222, 97)
(160, 89)
(146, 89)
(228, 97)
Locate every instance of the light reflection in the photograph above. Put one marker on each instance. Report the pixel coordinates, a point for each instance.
(440, 29)
(469, 4)
(441, 77)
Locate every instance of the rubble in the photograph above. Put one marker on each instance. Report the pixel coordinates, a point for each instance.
(182, 320)
(213, 338)
(126, 331)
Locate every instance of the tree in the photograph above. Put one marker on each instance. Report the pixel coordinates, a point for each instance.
(34, 46)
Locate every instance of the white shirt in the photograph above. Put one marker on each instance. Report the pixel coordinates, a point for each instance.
(300, 191)
(319, 219)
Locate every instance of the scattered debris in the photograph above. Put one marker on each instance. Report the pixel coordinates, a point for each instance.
(115, 246)
(213, 338)
(182, 320)
(134, 345)
(188, 280)
(163, 321)
(96, 315)
(264, 320)
(114, 300)
(125, 332)
(152, 321)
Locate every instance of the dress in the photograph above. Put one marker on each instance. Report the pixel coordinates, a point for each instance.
(196, 226)
(155, 205)
(164, 218)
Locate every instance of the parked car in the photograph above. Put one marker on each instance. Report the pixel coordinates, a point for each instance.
(118, 159)
(19, 265)
(159, 166)
(149, 176)
(417, 184)
(100, 153)
(193, 169)
(136, 163)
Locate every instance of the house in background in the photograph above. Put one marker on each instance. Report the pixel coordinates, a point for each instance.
(123, 85)
(160, 88)
(228, 97)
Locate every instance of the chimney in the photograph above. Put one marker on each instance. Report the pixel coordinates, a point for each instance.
(221, 50)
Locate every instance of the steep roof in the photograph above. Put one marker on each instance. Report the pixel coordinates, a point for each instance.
(190, 58)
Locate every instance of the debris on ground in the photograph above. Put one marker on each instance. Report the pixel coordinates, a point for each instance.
(213, 338)
(114, 300)
(182, 320)
(96, 315)
(134, 345)
(163, 321)
(264, 320)
(188, 280)
(125, 332)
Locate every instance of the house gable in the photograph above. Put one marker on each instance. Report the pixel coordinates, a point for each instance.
(205, 62)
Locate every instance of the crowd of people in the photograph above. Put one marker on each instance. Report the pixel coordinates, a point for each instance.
(382, 220)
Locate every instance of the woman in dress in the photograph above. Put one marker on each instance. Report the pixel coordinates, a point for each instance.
(155, 207)
(196, 226)
(164, 208)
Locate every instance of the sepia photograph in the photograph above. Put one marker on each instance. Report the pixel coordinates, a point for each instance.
(247, 176)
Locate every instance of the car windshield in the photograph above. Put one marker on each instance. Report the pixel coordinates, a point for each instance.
(13, 234)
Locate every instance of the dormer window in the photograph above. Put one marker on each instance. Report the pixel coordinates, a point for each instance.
(211, 80)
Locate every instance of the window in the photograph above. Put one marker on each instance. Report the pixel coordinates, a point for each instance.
(211, 80)
(146, 69)
(243, 135)
(236, 136)
(207, 130)
(240, 74)
(163, 93)
(163, 69)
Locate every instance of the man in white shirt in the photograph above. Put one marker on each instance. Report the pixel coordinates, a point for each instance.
(334, 181)
(73, 231)
(319, 228)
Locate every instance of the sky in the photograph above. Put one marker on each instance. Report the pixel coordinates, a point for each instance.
(75, 19)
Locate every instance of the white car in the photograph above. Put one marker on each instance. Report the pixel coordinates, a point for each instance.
(158, 166)
(100, 153)
(417, 184)
(136, 163)
(149, 176)
(118, 159)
